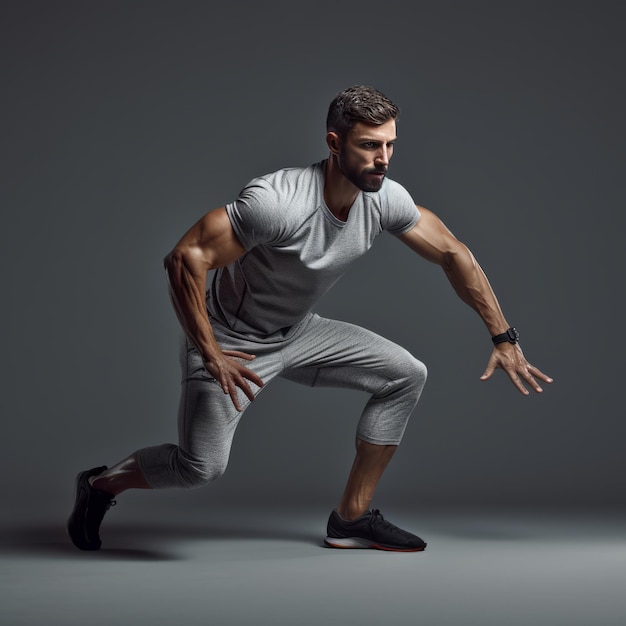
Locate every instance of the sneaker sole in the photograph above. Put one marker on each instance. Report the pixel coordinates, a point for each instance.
(359, 543)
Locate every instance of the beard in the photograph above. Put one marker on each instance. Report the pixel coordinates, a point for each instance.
(363, 179)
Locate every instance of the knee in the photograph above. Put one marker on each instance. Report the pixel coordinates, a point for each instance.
(407, 379)
(194, 472)
(418, 373)
(414, 379)
(413, 373)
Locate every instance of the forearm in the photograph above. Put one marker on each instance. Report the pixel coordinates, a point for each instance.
(187, 287)
(433, 241)
(472, 286)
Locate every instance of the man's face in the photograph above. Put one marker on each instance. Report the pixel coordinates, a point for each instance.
(365, 153)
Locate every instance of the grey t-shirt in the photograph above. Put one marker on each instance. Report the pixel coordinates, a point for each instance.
(296, 249)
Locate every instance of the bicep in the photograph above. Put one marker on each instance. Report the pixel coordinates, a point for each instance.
(210, 243)
(431, 239)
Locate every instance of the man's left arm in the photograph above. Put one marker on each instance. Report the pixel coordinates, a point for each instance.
(432, 240)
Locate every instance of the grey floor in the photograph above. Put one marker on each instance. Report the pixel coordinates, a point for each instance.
(190, 565)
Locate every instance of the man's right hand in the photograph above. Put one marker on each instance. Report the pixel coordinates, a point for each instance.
(231, 374)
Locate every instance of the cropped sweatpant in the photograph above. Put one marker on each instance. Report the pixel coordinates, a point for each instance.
(318, 352)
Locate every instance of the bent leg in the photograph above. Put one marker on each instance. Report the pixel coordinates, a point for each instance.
(341, 355)
(207, 420)
(207, 423)
(348, 356)
(206, 428)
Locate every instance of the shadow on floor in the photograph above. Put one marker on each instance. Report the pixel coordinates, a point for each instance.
(149, 542)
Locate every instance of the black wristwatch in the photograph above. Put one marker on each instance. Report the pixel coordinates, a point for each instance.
(511, 335)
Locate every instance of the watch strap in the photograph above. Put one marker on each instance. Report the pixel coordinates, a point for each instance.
(511, 335)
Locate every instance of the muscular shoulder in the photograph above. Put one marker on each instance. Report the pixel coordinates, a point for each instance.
(269, 205)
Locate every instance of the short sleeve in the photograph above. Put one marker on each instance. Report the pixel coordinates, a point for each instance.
(398, 211)
(253, 214)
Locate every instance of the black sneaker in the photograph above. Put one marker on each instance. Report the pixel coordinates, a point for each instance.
(90, 505)
(371, 530)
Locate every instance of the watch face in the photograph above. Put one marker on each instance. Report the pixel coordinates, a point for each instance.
(513, 335)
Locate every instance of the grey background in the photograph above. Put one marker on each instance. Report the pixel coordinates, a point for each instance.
(123, 122)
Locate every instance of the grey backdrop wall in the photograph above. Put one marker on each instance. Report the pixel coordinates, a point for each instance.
(123, 122)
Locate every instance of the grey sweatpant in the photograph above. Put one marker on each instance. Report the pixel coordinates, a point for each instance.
(319, 352)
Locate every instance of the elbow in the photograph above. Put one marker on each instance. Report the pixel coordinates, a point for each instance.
(456, 257)
(167, 261)
(447, 261)
(450, 259)
(173, 260)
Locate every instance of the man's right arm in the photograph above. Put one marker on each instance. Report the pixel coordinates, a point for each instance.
(209, 244)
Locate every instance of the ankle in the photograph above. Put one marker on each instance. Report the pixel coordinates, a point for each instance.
(101, 483)
(349, 513)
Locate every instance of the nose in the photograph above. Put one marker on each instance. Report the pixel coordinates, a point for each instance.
(382, 156)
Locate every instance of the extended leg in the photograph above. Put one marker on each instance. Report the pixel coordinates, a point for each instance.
(207, 422)
(95, 490)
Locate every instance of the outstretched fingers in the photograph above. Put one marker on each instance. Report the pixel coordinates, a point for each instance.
(513, 362)
(529, 373)
(517, 376)
(490, 369)
(539, 374)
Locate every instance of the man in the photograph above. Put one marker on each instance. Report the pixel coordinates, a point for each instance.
(276, 249)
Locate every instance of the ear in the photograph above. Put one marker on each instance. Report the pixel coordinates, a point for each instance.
(334, 142)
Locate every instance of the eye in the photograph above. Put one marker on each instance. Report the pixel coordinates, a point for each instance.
(370, 145)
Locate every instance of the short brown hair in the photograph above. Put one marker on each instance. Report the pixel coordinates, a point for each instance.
(359, 103)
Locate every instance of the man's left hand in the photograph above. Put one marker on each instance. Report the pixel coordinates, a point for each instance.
(510, 358)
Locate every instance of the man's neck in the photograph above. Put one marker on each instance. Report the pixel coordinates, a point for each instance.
(339, 192)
